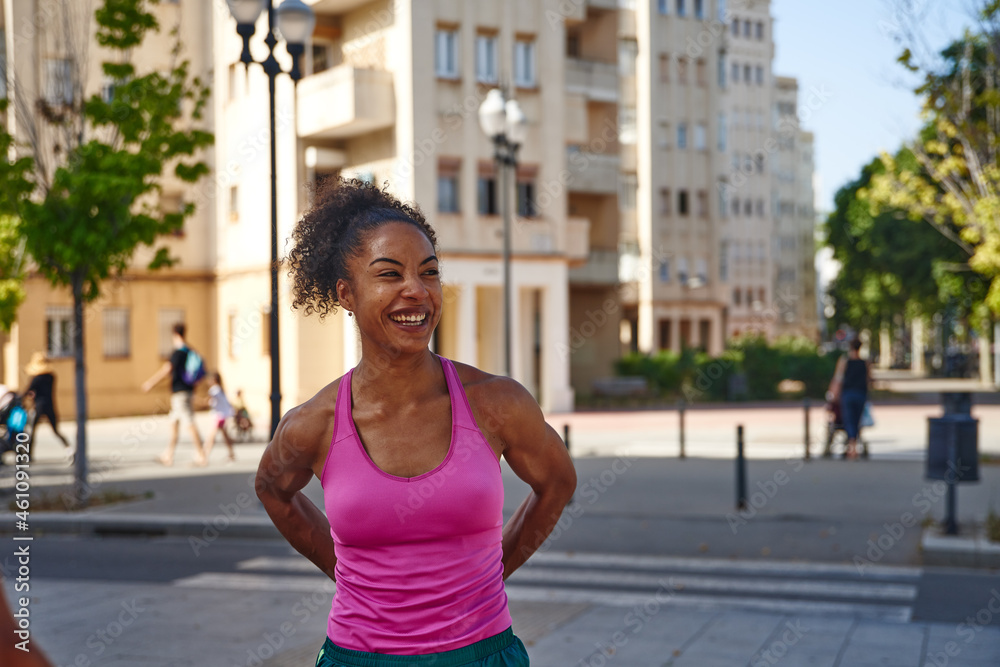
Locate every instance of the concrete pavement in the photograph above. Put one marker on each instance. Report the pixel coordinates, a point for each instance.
(635, 497)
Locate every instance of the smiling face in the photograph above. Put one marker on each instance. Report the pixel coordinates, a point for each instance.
(394, 289)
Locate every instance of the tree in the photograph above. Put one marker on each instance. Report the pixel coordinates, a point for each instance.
(956, 187)
(90, 198)
(890, 263)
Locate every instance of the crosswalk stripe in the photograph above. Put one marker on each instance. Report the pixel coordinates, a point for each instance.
(894, 613)
(682, 583)
(709, 565)
(257, 582)
(281, 564)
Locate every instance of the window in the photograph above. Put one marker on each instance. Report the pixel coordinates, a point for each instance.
(626, 124)
(628, 51)
(58, 81)
(682, 70)
(701, 270)
(116, 332)
(735, 76)
(682, 270)
(746, 28)
(682, 202)
(746, 74)
(681, 8)
(723, 191)
(664, 68)
(760, 30)
(682, 135)
(724, 261)
(526, 199)
(172, 204)
(760, 75)
(759, 163)
(723, 132)
(627, 185)
(699, 9)
(699, 72)
(486, 191)
(234, 203)
(737, 296)
(735, 27)
(166, 319)
(524, 63)
(702, 204)
(665, 271)
(663, 7)
(59, 331)
(486, 58)
(722, 70)
(446, 53)
(748, 207)
(700, 137)
(736, 206)
(760, 208)
(322, 56)
(108, 89)
(748, 163)
(665, 203)
(720, 10)
(572, 43)
(448, 172)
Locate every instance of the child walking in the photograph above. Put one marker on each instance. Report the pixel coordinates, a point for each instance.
(222, 410)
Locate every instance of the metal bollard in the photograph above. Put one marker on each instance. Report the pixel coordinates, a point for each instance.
(680, 415)
(741, 471)
(805, 403)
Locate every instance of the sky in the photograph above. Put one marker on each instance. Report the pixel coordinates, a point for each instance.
(852, 94)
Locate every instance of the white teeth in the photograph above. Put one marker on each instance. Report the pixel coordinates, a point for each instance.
(408, 319)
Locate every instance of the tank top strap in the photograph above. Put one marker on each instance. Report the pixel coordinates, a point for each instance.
(459, 401)
(342, 410)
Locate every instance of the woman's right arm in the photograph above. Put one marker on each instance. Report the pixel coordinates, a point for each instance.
(285, 469)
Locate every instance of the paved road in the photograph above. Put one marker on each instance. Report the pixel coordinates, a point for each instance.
(129, 601)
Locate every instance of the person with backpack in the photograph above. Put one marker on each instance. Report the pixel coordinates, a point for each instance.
(185, 368)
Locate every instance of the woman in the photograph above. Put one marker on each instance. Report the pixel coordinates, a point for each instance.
(407, 448)
(851, 380)
(42, 390)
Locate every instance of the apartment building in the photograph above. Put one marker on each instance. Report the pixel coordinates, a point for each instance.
(52, 61)
(794, 235)
(391, 95)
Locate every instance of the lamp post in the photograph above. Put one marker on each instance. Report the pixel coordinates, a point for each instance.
(505, 124)
(294, 21)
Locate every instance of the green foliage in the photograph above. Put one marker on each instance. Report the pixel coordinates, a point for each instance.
(11, 271)
(102, 201)
(697, 376)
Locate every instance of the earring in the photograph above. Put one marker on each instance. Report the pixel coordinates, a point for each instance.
(350, 314)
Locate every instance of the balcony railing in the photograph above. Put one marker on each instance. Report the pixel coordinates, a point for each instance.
(596, 80)
(592, 172)
(345, 101)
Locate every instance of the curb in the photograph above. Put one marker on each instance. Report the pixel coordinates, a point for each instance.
(974, 551)
(206, 528)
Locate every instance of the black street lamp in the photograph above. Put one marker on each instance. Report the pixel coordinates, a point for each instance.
(504, 122)
(294, 21)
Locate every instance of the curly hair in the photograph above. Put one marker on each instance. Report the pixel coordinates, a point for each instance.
(332, 232)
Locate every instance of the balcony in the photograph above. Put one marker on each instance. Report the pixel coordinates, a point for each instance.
(596, 173)
(335, 6)
(601, 268)
(345, 101)
(595, 80)
(577, 238)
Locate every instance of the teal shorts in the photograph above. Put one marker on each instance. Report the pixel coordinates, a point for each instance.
(502, 650)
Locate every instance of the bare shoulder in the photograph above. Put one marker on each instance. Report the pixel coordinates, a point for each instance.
(305, 431)
(502, 406)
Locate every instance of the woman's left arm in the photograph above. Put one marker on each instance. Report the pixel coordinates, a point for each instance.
(537, 455)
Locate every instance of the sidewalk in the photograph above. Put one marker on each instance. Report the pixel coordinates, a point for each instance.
(634, 495)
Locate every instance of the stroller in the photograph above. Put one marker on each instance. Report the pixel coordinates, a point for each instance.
(836, 434)
(13, 421)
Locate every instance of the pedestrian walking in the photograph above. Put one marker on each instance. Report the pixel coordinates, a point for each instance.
(851, 381)
(41, 389)
(182, 381)
(221, 411)
(407, 448)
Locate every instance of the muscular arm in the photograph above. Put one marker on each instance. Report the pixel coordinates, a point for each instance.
(285, 468)
(538, 456)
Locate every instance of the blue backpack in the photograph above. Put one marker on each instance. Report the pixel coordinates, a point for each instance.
(194, 368)
(17, 420)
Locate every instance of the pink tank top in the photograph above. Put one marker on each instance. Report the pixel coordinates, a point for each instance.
(418, 559)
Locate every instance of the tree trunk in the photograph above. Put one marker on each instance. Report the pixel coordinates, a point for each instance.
(917, 346)
(81, 493)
